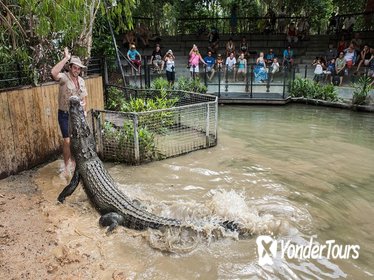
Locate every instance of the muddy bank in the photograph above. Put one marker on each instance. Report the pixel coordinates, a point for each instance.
(32, 232)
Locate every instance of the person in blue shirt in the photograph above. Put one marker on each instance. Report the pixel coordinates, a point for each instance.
(269, 57)
(210, 63)
(288, 57)
(134, 57)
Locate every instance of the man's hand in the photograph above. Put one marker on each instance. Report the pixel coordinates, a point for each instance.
(67, 53)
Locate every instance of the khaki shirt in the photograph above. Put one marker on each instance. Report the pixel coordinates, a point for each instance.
(67, 89)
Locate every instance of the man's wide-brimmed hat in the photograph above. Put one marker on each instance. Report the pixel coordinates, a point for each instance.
(76, 61)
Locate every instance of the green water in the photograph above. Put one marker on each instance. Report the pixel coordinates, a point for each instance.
(292, 172)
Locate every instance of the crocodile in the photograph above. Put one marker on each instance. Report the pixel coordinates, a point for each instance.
(115, 207)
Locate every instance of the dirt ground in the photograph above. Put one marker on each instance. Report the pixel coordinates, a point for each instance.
(30, 247)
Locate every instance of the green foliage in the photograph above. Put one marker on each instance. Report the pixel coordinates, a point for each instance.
(361, 91)
(192, 85)
(115, 99)
(160, 83)
(309, 89)
(156, 119)
(122, 140)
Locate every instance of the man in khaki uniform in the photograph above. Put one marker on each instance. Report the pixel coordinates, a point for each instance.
(71, 84)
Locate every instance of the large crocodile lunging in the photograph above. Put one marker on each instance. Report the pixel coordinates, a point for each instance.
(114, 206)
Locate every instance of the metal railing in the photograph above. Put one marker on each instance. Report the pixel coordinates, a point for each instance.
(268, 25)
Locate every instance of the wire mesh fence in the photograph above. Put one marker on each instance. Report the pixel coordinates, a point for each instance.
(138, 137)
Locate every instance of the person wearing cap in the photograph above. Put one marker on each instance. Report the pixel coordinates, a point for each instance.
(134, 56)
(71, 84)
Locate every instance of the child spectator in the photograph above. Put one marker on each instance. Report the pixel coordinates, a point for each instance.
(242, 66)
(135, 58)
(219, 62)
(330, 70)
(274, 68)
(318, 71)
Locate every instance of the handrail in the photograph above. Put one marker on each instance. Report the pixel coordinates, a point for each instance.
(128, 60)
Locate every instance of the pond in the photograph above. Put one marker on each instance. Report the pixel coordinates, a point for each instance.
(296, 173)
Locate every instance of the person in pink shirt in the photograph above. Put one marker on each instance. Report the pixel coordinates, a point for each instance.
(194, 60)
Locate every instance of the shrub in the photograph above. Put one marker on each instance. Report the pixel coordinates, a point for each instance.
(361, 91)
(309, 89)
(194, 85)
(121, 142)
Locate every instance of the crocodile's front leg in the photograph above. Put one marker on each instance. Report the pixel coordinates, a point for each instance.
(111, 220)
(69, 189)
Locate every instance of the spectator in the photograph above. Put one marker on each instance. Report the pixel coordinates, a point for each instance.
(292, 33)
(288, 57)
(156, 59)
(194, 60)
(242, 66)
(331, 53)
(170, 67)
(135, 58)
(210, 63)
(350, 57)
(230, 65)
(219, 62)
(357, 42)
(330, 70)
(340, 67)
(230, 47)
(365, 57)
(274, 68)
(260, 71)
(318, 71)
(269, 57)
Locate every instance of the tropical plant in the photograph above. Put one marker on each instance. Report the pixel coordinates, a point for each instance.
(307, 88)
(115, 99)
(361, 91)
(192, 85)
(160, 83)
